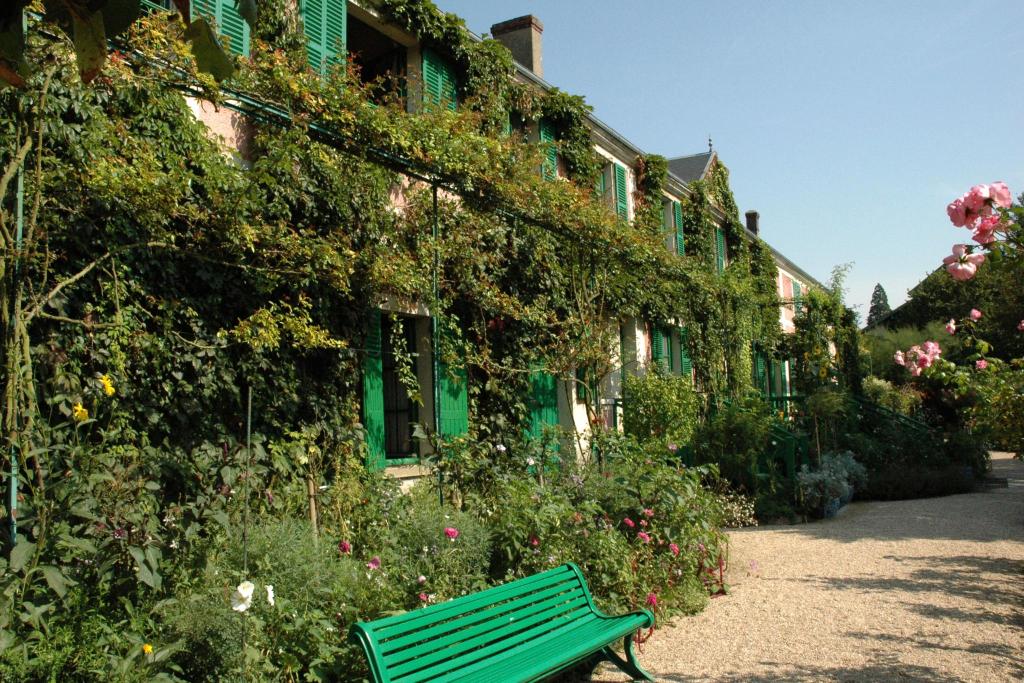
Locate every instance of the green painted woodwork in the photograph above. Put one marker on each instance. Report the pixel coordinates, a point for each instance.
(798, 305)
(525, 630)
(543, 401)
(325, 22)
(720, 249)
(228, 22)
(440, 85)
(685, 364)
(158, 5)
(761, 372)
(661, 348)
(373, 395)
(677, 216)
(621, 194)
(546, 132)
(454, 401)
(602, 184)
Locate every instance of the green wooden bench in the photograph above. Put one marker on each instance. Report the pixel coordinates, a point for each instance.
(525, 630)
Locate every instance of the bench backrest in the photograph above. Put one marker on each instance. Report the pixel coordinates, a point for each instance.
(426, 643)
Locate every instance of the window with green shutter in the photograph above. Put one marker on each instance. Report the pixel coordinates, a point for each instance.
(373, 394)
(229, 22)
(546, 133)
(454, 414)
(685, 364)
(440, 86)
(621, 194)
(325, 25)
(543, 401)
(797, 303)
(677, 217)
(720, 249)
(761, 371)
(661, 345)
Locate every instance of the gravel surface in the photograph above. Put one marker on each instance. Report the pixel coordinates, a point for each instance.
(920, 590)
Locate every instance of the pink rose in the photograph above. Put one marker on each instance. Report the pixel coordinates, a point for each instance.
(984, 233)
(975, 314)
(644, 536)
(932, 350)
(451, 532)
(424, 597)
(1001, 196)
(344, 547)
(957, 212)
(924, 361)
(899, 358)
(534, 541)
(951, 326)
(981, 363)
(673, 548)
(977, 199)
(915, 371)
(374, 563)
(961, 264)
(628, 522)
(648, 512)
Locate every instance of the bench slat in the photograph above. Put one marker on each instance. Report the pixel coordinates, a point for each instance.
(458, 606)
(450, 630)
(450, 667)
(537, 660)
(485, 635)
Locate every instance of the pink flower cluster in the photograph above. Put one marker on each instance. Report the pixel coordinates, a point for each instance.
(976, 204)
(975, 210)
(918, 357)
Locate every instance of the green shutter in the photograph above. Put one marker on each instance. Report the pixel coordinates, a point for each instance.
(229, 23)
(761, 372)
(677, 216)
(797, 304)
(440, 87)
(685, 364)
(454, 409)
(720, 249)
(373, 395)
(602, 183)
(657, 347)
(547, 137)
(621, 199)
(543, 401)
(325, 22)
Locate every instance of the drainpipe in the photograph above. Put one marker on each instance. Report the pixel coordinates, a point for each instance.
(434, 362)
(19, 211)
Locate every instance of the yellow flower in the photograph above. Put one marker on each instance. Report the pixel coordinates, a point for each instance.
(108, 386)
(147, 649)
(80, 413)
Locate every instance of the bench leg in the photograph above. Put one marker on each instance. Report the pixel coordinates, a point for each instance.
(630, 665)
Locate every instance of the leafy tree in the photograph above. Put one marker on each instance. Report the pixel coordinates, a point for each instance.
(879, 305)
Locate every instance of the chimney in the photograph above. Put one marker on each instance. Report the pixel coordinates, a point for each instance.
(752, 218)
(522, 37)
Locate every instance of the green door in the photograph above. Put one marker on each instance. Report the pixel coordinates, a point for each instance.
(453, 417)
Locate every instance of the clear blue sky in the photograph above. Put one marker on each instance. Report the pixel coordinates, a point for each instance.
(848, 125)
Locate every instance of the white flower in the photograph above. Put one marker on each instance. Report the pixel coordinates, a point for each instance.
(531, 462)
(500, 448)
(270, 594)
(241, 599)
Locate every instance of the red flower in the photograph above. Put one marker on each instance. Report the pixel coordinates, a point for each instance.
(628, 522)
(534, 541)
(344, 547)
(451, 532)
(652, 600)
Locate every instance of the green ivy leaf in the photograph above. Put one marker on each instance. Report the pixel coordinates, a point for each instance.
(210, 56)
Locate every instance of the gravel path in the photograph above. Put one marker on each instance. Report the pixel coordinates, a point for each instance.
(921, 590)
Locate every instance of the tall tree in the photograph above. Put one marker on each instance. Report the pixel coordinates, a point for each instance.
(879, 305)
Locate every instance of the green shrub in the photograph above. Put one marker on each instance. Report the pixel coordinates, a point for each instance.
(733, 439)
(660, 407)
(903, 399)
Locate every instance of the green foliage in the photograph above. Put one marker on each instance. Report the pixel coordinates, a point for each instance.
(661, 408)
(733, 438)
(902, 399)
(998, 409)
(882, 343)
(837, 478)
(879, 306)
